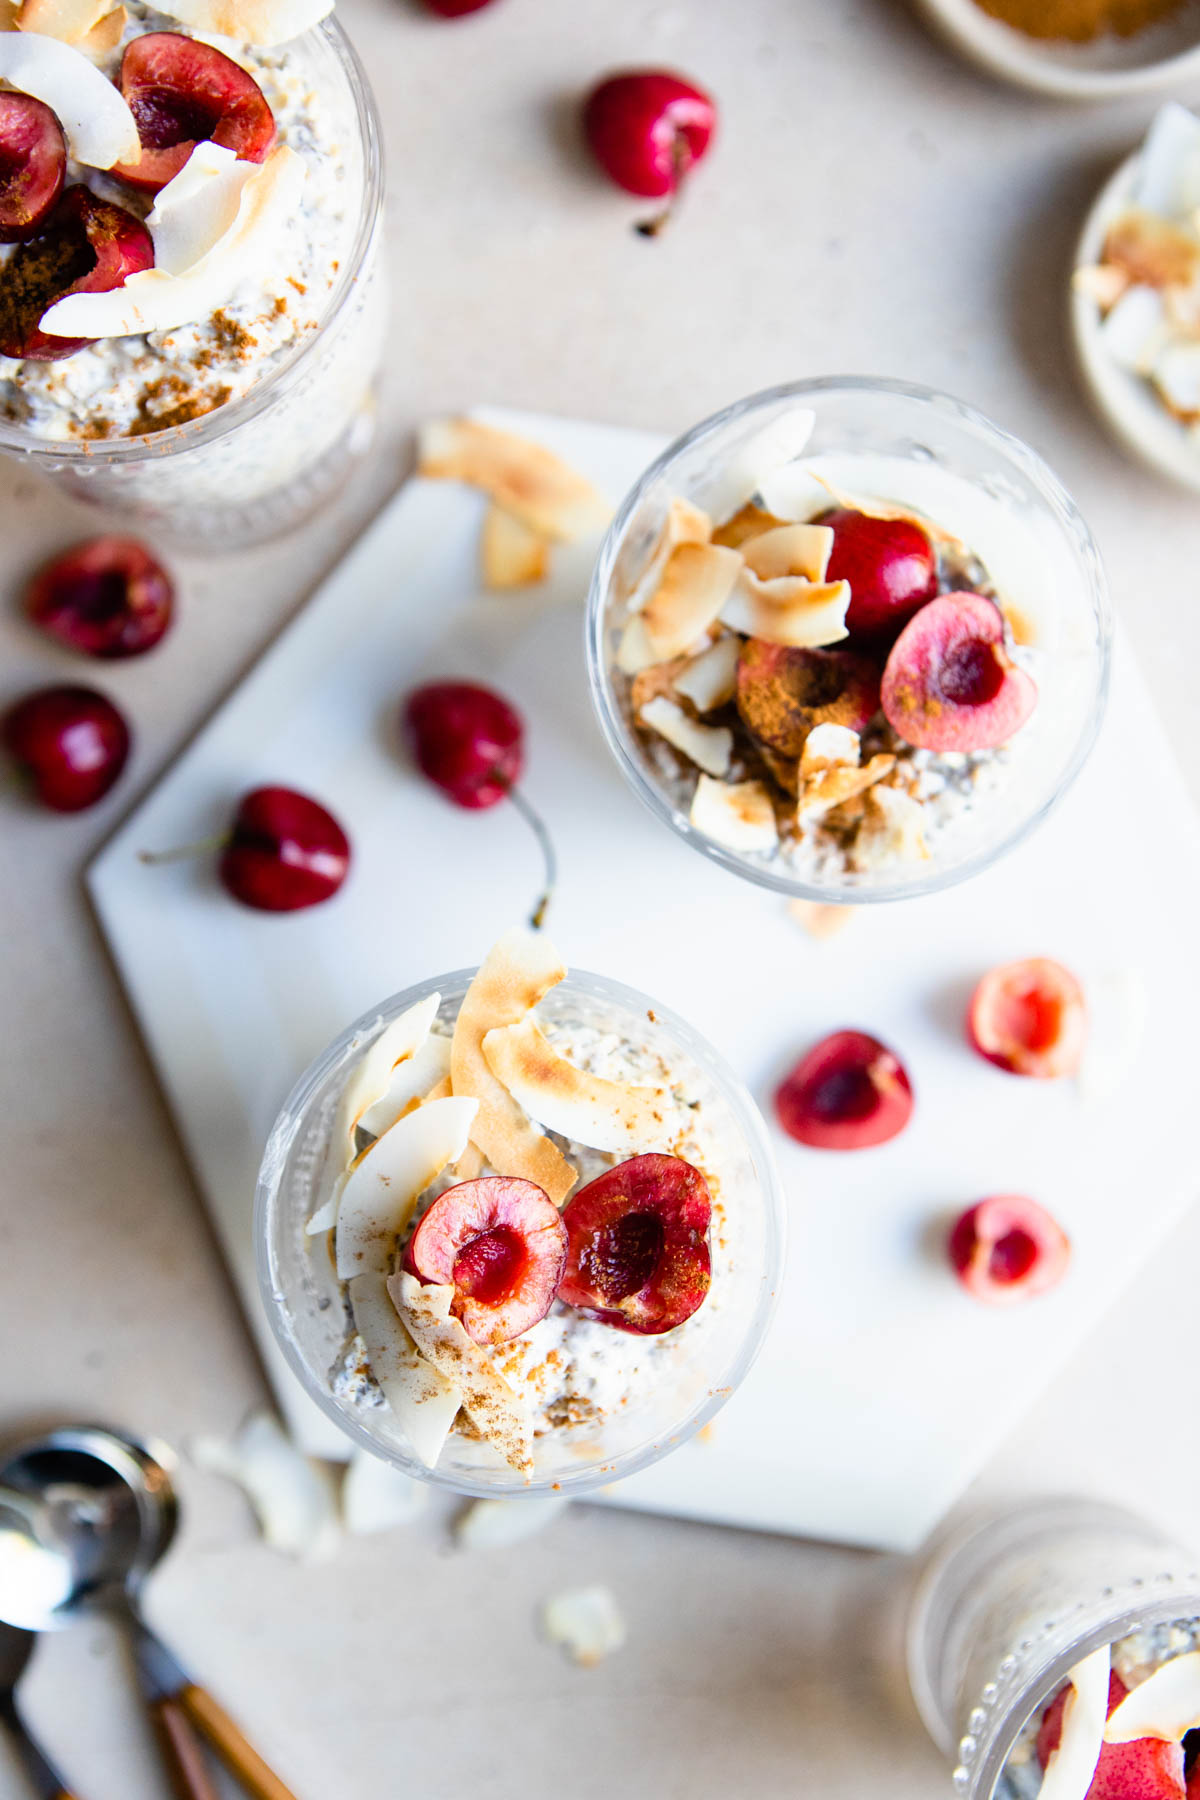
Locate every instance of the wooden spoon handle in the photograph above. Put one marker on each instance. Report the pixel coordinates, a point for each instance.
(245, 1764)
(181, 1751)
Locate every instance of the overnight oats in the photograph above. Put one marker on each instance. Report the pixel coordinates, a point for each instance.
(190, 320)
(849, 640)
(519, 1231)
(1054, 1651)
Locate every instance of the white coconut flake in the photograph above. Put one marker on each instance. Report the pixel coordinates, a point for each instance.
(1070, 1768)
(750, 466)
(196, 208)
(737, 814)
(1176, 375)
(384, 1185)
(586, 1622)
(292, 1496)
(495, 1524)
(710, 747)
(156, 300)
(95, 116)
(424, 1402)
(1135, 331)
(1168, 167)
(710, 679)
(1165, 1705)
(376, 1497)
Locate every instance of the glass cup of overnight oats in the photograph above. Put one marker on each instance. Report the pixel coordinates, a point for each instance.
(849, 639)
(1055, 1646)
(519, 1231)
(242, 396)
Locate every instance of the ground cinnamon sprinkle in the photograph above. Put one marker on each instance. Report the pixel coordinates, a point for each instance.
(1079, 21)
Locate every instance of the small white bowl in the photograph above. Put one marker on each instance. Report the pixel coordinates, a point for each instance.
(1159, 57)
(1125, 401)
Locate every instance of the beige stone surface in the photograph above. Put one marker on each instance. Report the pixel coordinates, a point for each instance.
(872, 207)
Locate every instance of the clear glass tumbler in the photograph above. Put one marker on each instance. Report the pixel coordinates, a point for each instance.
(891, 440)
(1006, 1605)
(306, 1304)
(260, 464)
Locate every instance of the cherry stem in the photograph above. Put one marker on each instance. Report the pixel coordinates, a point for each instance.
(537, 825)
(183, 851)
(681, 162)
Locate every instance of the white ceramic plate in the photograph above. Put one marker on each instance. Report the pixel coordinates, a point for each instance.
(1125, 401)
(1161, 57)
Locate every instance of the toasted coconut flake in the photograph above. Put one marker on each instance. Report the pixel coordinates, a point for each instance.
(820, 919)
(495, 1524)
(424, 1403)
(710, 747)
(696, 584)
(586, 1622)
(742, 474)
(835, 785)
(606, 1115)
(790, 610)
(710, 679)
(68, 20)
(737, 814)
(830, 747)
(1165, 1705)
(876, 508)
(488, 1401)
(385, 1183)
(261, 22)
(527, 480)
(1102, 282)
(1151, 250)
(157, 300)
(655, 683)
(749, 521)
(106, 33)
(790, 550)
(1070, 1769)
(94, 115)
(1135, 330)
(520, 970)
(510, 554)
(684, 524)
(376, 1497)
(892, 829)
(292, 1496)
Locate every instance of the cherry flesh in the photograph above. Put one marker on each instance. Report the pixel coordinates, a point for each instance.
(501, 1244)
(850, 1092)
(33, 165)
(1008, 1248)
(85, 246)
(180, 92)
(108, 597)
(638, 1256)
(1029, 1018)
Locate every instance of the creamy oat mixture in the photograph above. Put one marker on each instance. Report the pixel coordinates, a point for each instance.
(576, 1373)
(1134, 1658)
(127, 387)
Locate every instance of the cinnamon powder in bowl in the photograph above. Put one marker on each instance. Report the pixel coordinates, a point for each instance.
(1079, 49)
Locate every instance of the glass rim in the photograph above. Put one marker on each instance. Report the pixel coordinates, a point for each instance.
(619, 738)
(172, 440)
(589, 1476)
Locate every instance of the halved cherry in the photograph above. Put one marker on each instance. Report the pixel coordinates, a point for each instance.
(33, 165)
(784, 693)
(107, 597)
(1146, 1769)
(1030, 1018)
(86, 246)
(849, 1093)
(501, 1244)
(639, 1256)
(890, 566)
(950, 683)
(181, 92)
(1008, 1248)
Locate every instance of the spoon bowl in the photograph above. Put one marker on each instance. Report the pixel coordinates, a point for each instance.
(85, 1513)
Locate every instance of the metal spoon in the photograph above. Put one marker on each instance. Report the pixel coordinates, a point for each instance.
(16, 1647)
(85, 1513)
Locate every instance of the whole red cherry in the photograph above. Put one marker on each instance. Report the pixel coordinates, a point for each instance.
(455, 9)
(71, 742)
(647, 128)
(467, 739)
(282, 852)
(108, 597)
(890, 565)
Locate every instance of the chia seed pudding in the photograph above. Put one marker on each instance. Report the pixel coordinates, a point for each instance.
(776, 719)
(141, 419)
(1158, 1764)
(586, 1285)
